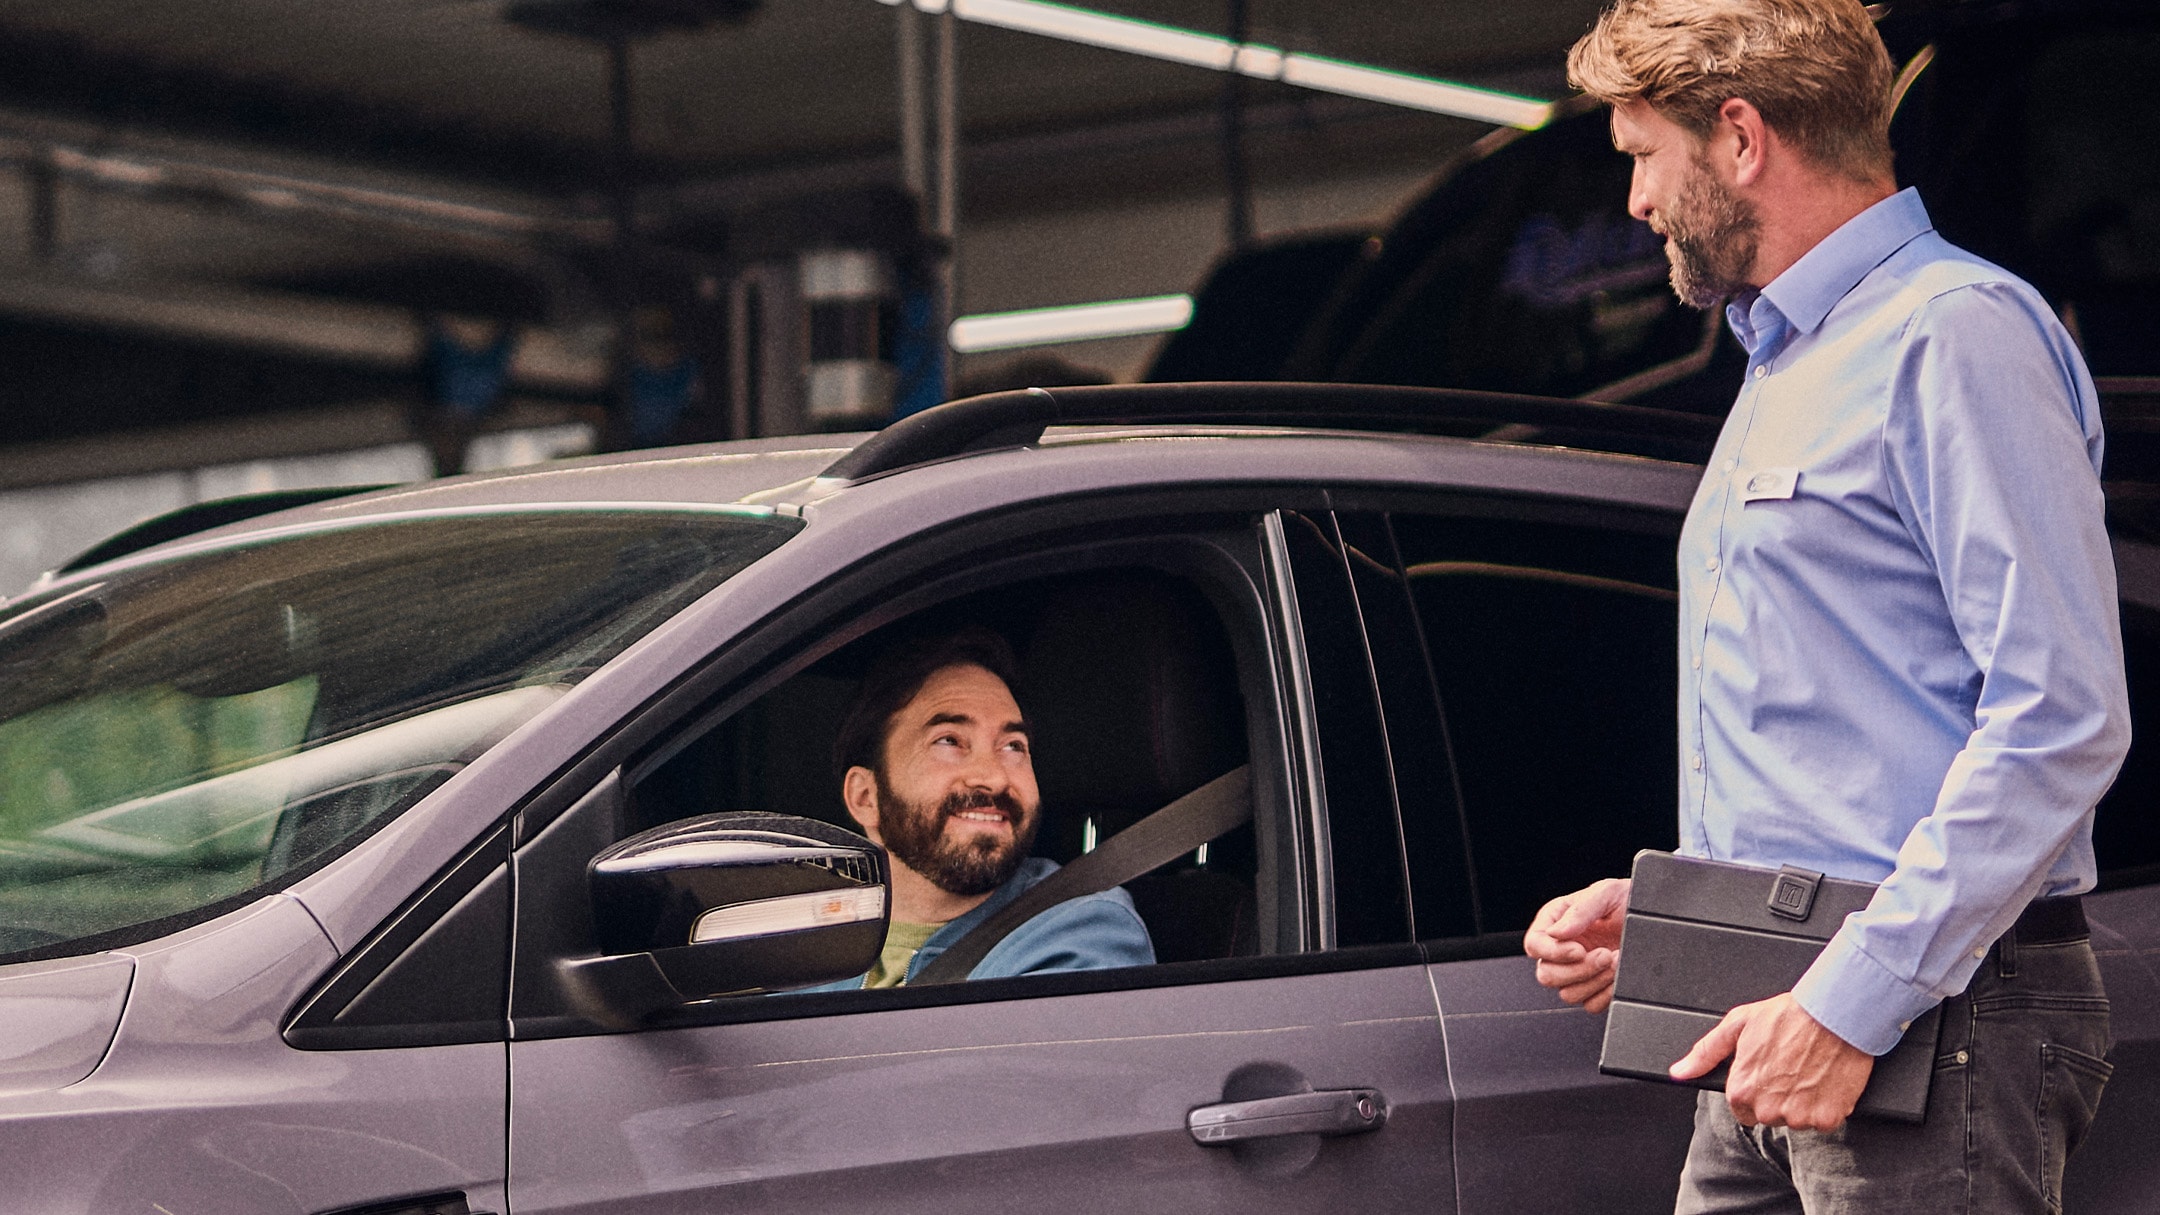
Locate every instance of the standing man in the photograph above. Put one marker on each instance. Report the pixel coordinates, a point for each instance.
(1900, 659)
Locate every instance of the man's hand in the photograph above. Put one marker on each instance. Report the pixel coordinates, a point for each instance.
(1576, 941)
(1787, 1069)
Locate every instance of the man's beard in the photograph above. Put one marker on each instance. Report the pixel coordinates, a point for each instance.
(1711, 237)
(915, 835)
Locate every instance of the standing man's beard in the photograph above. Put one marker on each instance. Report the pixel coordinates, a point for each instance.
(1711, 237)
(915, 835)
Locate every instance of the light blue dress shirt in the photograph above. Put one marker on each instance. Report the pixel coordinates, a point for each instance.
(1900, 658)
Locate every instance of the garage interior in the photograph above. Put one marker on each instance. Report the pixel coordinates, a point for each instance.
(268, 244)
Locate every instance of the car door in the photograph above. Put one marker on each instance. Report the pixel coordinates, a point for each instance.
(1532, 653)
(1058, 1090)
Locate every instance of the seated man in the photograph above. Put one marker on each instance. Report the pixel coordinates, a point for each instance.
(933, 761)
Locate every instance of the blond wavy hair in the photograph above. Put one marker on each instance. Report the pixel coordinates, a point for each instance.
(1815, 69)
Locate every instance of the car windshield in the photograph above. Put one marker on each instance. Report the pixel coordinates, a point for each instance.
(187, 732)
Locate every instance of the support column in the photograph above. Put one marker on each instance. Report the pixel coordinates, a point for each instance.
(948, 181)
(622, 205)
(1237, 177)
(914, 145)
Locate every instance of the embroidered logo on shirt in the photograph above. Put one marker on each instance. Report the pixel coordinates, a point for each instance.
(1770, 483)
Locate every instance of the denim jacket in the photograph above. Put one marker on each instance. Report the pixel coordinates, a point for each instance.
(1092, 932)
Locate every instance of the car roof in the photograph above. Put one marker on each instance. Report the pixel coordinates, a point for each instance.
(789, 472)
(710, 473)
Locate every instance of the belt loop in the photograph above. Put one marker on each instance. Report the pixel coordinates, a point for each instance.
(2006, 954)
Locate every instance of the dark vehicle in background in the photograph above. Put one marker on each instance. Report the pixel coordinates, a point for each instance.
(2029, 128)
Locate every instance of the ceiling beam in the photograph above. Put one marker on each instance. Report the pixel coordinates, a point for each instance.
(61, 75)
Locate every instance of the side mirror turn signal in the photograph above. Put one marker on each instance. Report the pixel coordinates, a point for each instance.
(728, 905)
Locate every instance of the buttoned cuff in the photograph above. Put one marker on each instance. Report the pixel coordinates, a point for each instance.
(1854, 997)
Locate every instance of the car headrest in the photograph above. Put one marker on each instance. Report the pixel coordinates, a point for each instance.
(1132, 694)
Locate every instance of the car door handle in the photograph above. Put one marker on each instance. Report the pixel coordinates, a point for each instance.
(1343, 1111)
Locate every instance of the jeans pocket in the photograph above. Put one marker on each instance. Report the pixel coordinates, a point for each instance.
(2070, 1086)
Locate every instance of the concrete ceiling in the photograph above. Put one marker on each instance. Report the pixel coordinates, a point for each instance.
(450, 86)
(298, 145)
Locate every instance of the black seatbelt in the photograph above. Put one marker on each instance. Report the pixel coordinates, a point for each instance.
(1158, 839)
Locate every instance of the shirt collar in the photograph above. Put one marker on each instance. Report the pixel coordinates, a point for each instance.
(1809, 288)
(1754, 320)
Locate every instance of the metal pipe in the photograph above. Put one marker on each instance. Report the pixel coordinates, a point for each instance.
(914, 152)
(44, 187)
(948, 185)
(282, 195)
(1237, 178)
(622, 197)
(948, 125)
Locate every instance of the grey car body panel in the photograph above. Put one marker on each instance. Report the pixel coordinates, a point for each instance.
(2116, 1168)
(2137, 571)
(60, 1018)
(1528, 1096)
(1073, 1103)
(200, 1106)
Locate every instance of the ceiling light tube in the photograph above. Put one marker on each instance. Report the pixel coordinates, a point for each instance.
(1074, 323)
(1101, 29)
(1317, 72)
(1415, 92)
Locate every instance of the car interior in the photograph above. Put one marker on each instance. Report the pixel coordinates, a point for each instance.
(1130, 687)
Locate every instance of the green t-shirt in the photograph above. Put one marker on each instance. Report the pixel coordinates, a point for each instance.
(902, 942)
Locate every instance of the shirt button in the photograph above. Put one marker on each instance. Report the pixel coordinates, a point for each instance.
(1979, 955)
(1696, 662)
(1731, 465)
(1903, 1026)
(1696, 763)
(1761, 370)
(1710, 565)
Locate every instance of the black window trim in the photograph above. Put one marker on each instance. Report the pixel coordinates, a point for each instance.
(852, 602)
(1387, 504)
(1313, 858)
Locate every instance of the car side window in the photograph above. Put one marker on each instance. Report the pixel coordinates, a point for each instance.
(1131, 693)
(1443, 887)
(1552, 649)
(1151, 655)
(1369, 879)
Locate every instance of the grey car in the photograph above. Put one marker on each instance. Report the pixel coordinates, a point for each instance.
(308, 824)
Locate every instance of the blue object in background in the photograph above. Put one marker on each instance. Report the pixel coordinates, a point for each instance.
(918, 352)
(464, 380)
(659, 397)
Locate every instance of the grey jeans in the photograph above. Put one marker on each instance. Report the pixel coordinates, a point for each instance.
(2018, 1076)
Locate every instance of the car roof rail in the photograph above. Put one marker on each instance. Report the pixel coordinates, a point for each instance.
(1017, 418)
(201, 517)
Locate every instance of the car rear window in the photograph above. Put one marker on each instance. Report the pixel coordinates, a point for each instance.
(191, 731)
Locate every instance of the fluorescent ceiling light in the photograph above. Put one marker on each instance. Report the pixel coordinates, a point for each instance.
(1076, 323)
(1101, 29)
(1251, 59)
(1416, 92)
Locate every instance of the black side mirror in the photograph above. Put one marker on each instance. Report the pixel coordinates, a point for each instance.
(728, 905)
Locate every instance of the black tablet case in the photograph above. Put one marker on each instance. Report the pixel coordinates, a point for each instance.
(1704, 936)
